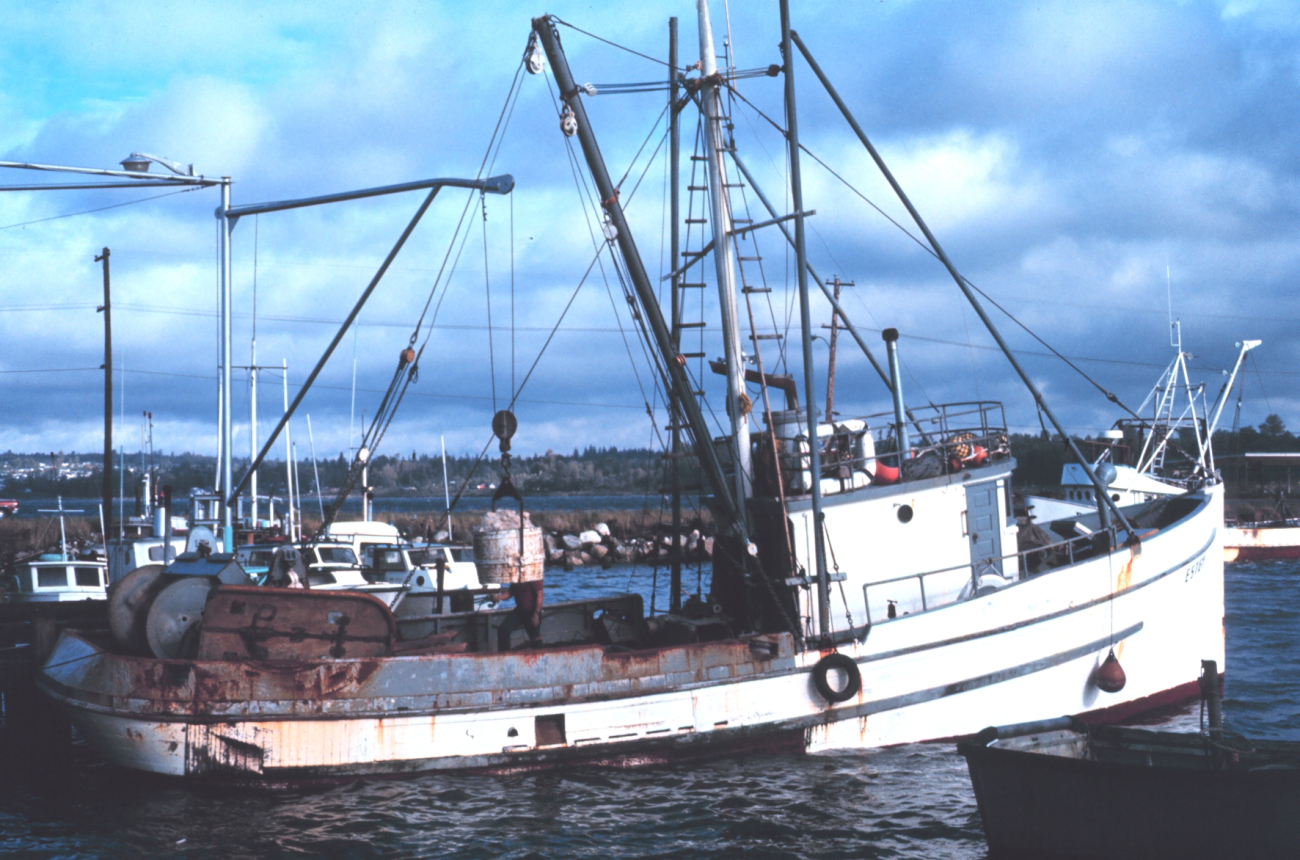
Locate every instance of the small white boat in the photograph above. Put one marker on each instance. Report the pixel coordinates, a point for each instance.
(53, 577)
(59, 576)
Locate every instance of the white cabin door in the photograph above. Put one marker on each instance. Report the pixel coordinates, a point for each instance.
(984, 525)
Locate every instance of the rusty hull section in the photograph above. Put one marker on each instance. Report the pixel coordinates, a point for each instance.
(83, 673)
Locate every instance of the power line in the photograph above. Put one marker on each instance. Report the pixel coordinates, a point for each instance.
(99, 209)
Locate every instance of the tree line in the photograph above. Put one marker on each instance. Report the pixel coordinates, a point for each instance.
(594, 469)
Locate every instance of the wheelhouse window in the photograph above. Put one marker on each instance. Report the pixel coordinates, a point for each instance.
(259, 558)
(389, 559)
(336, 555)
(88, 577)
(51, 577)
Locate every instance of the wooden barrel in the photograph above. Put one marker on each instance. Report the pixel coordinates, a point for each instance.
(496, 554)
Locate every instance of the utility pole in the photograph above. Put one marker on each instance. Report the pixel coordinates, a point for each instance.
(108, 391)
(835, 331)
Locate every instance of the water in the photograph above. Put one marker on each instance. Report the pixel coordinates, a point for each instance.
(910, 802)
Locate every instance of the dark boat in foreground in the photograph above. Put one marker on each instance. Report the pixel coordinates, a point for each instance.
(1063, 789)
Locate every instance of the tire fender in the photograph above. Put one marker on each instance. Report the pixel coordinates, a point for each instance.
(845, 664)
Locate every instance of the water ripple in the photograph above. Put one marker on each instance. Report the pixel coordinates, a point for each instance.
(905, 802)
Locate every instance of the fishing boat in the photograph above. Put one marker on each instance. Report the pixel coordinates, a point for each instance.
(867, 587)
(1170, 449)
(1276, 534)
(1262, 541)
(1065, 789)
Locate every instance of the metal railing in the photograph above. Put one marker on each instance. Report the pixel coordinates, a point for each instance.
(948, 438)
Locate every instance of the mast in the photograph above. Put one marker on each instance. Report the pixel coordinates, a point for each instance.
(227, 427)
(311, 439)
(297, 483)
(108, 398)
(805, 328)
(446, 487)
(288, 459)
(252, 421)
(1245, 346)
(674, 156)
(738, 406)
(728, 508)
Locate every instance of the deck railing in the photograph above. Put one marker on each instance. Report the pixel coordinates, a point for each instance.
(942, 439)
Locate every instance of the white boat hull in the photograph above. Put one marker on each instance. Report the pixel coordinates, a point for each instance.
(1024, 652)
(1261, 544)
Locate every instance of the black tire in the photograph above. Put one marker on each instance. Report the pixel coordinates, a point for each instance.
(845, 664)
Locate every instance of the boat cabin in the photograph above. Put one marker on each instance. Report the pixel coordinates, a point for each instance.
(362, 535)
(53, 577)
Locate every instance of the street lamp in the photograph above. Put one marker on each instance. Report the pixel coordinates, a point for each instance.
(138, 162)
(134, 174)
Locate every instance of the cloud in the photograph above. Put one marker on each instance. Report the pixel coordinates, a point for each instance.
(1063, 155)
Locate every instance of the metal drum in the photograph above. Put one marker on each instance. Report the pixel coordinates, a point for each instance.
(176, 609)
(128, 606)
(496, 550)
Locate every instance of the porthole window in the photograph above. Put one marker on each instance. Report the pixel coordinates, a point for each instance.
(904, 513)
(1114, 497)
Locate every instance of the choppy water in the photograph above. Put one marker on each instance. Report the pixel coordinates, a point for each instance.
(911, 802)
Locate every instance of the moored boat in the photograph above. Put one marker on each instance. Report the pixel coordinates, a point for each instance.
(1264, 541)
(865, 591)
(53, 577)
(1163, 464)
(1062, 789)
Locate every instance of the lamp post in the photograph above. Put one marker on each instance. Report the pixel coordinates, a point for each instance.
(138, 163)
(134, 174)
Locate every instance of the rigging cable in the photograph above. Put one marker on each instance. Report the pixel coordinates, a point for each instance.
(487, 289)
(557, 20)
(407, 370)
(100, 209)
(1109, 395)
(474, 467)
(585, 193)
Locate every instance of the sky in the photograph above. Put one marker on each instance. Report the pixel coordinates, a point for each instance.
(1094, 167)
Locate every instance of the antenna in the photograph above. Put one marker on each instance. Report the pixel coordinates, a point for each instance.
(1175, 326)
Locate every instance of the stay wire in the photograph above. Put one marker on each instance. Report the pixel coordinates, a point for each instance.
(512, 294)
(99, 209)
(507, 110)
(586, 193)
(557, 20)
(515, 397)
(405, 374)
(1109, 395)
(487, 289)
